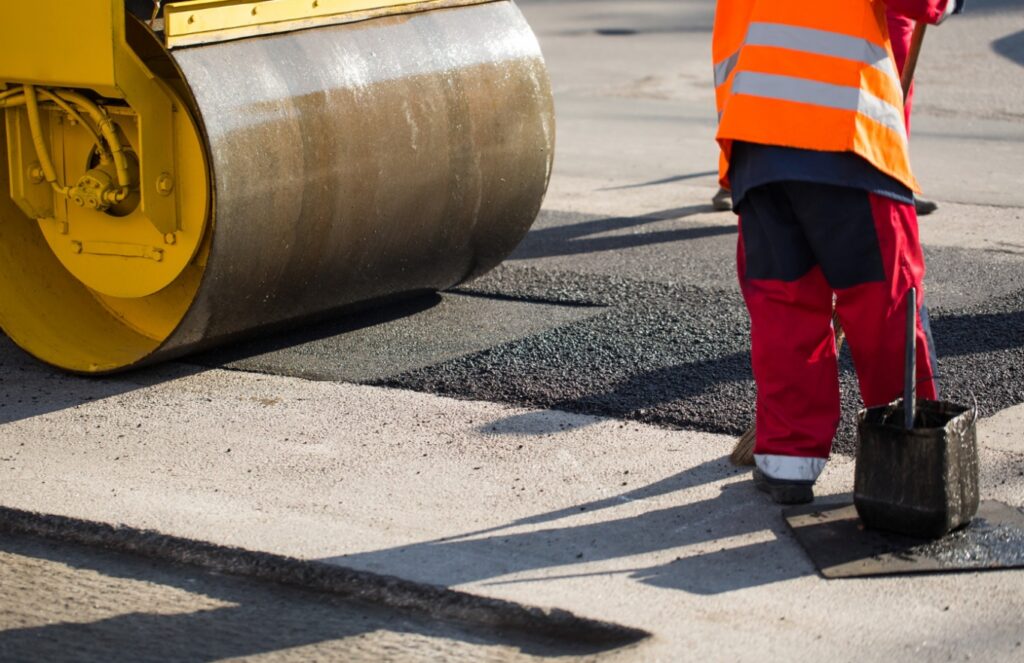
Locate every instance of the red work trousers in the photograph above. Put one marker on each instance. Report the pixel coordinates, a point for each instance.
(800, 245)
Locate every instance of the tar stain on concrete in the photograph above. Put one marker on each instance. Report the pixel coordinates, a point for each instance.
(841, 547)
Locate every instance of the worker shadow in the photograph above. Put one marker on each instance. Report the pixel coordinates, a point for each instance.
(975, 333)
(1011, 47)
(576, 238)
(980, 6)
(693, 542)
(665, 180)
(206, 616)
(679, 395)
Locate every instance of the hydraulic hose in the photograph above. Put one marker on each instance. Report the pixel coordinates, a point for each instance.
(104, 134)
(49, 172)
(106, 127)
(67, 108)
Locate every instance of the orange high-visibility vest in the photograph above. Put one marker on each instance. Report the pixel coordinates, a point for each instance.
(812, 74)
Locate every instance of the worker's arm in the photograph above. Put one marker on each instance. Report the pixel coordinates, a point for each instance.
(928, 11)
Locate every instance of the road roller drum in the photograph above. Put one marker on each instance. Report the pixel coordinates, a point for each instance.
(181, 175)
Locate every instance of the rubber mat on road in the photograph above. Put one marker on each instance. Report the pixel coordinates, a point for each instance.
(840, 546)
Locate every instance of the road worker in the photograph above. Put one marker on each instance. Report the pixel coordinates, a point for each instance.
(814, 151)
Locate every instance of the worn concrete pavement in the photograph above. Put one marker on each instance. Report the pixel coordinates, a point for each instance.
(607, 516)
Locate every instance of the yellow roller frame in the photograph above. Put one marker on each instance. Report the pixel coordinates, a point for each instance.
(121, 279)
(193, 22)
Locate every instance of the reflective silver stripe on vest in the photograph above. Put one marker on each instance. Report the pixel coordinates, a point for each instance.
(801, 90)
(821, 42)
(725, 67)
(815, 42)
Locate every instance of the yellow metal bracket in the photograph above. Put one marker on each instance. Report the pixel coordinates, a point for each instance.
(82, 45)
(193, 22)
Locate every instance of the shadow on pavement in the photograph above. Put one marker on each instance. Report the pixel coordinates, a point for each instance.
(695, 537)
(958, 335)
(29, 388)
(1011, 47)
(689, 478)
(334, 325)
(977, 6)
(262, 617)
(665, 180)
(574, 238)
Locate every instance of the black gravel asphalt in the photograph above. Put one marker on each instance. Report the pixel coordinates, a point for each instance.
(676, 353)
(670, 344)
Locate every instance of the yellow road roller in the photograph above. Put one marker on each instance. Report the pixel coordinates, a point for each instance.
(181, 174)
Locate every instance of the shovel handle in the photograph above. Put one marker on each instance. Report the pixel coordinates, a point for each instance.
(910, 65)
(910, 363)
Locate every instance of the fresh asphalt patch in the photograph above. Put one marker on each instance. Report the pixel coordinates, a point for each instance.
(636, 318)
(678, 356)
(373, 345)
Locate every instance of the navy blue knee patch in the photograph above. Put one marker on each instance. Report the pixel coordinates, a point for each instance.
(789, 227)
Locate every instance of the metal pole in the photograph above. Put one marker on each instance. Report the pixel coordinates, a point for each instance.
(910, 363)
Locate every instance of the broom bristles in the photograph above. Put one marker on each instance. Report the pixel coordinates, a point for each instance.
(743, 453)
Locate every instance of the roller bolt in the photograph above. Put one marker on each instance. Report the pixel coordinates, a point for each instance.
(170, 238)
(63, 228)
(165, 184)
(36, 174)
(76, 247)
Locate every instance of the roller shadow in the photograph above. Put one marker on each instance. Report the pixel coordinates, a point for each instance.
(262, 617)
(328, 326)
(30, 388)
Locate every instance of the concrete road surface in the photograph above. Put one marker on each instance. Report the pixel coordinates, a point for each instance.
(555, 433)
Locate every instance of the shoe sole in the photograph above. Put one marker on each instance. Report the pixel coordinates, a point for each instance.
(784, 493)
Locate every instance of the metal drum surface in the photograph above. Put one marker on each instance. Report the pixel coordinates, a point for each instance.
(360, 162)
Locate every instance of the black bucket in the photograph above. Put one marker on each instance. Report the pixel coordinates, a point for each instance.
(922, 481)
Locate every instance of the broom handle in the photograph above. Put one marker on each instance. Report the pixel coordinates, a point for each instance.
(910, 66)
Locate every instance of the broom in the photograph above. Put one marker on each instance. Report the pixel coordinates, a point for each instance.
(743, 453)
